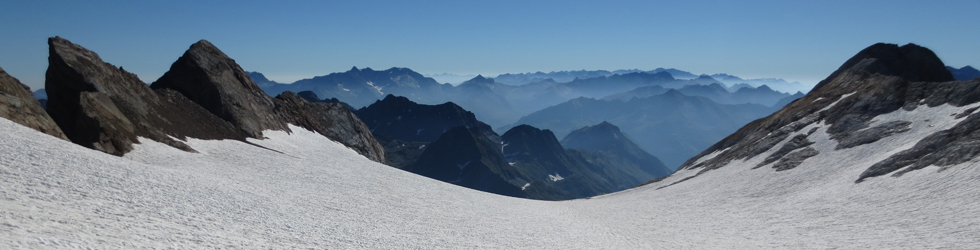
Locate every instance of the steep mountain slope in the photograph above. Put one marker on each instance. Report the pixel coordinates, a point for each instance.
(606, 139)
(898, 106)
(671, 126)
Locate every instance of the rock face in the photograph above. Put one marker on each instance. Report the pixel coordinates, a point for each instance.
(17, 104)
(103, 107)
(846, 108)
(606, 139)
(213, 80)
(205, 95)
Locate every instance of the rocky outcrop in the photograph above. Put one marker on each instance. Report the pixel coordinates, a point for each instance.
(103, 107)
(332, 120)
(881, 79)
(205, 95)
(208, 77)
(17, 104)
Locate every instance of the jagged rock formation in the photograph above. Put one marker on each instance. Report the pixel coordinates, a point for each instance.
(103, 107)
(845, 108)
(205, 95)
(606, 139)
(213, 80)
(17, 104)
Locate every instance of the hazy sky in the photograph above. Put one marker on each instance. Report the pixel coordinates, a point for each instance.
(290, 40)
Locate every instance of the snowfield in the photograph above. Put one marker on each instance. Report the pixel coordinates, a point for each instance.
(302, 190)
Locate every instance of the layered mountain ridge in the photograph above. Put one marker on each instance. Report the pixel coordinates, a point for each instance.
(447, 143)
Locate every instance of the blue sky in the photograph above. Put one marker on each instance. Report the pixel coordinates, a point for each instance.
(795, 40)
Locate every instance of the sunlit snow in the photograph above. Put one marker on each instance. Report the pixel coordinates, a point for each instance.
(320, 194)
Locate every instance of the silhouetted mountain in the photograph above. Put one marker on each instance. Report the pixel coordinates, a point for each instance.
(716, 92)
(849, 119)
(673, 126)
(404, 127)
(965, 73)
(558, 76)
(774, 83)
(361, 87)
(618, 148)
(400, 118)
(260, 80)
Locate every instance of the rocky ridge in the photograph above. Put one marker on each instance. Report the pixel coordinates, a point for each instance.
(205, 95)
(881, 79)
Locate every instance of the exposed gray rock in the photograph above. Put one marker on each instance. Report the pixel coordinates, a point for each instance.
(797, 142)
(213, 80)
(794, 159)
(861, 137)
(103, 107)
(879, 80)
(332, 120)
(17, 104)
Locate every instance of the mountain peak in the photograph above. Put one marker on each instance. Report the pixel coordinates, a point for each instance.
(911, 62)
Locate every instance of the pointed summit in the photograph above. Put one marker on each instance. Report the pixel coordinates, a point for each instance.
(205, 75)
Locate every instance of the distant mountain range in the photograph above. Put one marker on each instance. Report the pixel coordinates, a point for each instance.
(965, 73)
(447, 143)
(498, 103)
(671, 126)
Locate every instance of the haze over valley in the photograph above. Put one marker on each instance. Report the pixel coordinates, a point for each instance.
(712, 125)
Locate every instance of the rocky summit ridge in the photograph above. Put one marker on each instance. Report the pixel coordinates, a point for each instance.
(205, 95)
(879, 80)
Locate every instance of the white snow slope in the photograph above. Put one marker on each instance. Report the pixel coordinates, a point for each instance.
(320, 194)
